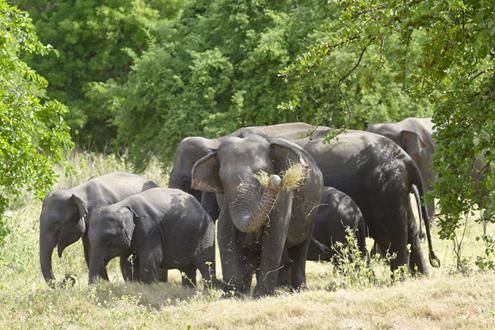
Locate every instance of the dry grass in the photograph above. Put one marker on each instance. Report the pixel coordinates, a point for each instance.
(443, 300)
(292, 178)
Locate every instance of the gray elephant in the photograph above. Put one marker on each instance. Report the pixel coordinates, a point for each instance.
(257, 223)
(64, 214)
(414, 135)
(190, 149)
(378, 175)
(166, 228)
(363, 155)
(336, 213)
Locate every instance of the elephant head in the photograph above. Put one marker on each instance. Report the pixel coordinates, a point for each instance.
(232, 170)
(187, 153)
(110, 235)
(61, 224)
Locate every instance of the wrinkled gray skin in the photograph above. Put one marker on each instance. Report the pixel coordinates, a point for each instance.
(190, 149)
(414, 135)
(378, 175)
(165, 228)
(257, 224)
(336, 213)
(364, 157)
(64, 214)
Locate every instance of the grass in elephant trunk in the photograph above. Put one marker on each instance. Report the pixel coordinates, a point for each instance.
(292, 178)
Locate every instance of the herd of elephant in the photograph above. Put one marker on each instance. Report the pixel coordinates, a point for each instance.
(356, 179)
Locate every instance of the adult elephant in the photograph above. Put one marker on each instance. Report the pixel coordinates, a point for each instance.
(257, 223)
(190, 149)
(336, 214)
(378, 175)
(414, 135)
(64, 215)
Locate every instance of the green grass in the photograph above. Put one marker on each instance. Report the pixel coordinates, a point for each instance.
(445, 299)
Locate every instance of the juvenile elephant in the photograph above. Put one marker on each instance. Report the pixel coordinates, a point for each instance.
(64, 214)
(336, 213)
(257, 223)
(166, 228)
(414, 135)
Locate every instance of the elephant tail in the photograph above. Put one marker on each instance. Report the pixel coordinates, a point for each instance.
(417, 180)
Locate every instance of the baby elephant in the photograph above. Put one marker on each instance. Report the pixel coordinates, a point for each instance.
(165, 228)
(337, 212)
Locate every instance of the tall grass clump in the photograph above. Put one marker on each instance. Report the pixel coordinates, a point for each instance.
(353, 270)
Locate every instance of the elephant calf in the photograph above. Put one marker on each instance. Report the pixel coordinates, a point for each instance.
(336, 213)
(165, 228)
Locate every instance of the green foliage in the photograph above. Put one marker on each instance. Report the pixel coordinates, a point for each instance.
(33, 135)
(95, 41)
(442, 56)
(219, 69)
(353, 270)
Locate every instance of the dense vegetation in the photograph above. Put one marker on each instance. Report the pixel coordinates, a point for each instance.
(33, 133)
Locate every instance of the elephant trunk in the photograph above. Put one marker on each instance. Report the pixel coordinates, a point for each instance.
(95, 264)
(249, 220)
(48, 240)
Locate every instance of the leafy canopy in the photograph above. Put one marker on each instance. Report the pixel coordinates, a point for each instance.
(451, 43)
(219, 67)
(33, 134)
(95, 41)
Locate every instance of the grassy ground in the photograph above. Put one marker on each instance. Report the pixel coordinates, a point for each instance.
(445, 299)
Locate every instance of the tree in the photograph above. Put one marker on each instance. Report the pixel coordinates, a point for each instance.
(33, 134)
(455, 72)
(219, 69)
(95, 41)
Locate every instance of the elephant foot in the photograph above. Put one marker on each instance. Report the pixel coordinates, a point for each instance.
(260, 291)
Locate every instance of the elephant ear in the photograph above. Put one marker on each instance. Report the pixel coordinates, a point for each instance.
(284, 154)
(128, 223)
(412, 142)
(205, 174)
(81, 205)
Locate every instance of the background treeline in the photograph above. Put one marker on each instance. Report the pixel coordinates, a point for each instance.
(137, 75)
(207, 68)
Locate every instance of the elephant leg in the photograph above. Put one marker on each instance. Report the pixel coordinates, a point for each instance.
(274, 238)
(284, 274)
(188, 276)
(204, 259)
(150, 257)
(209, 203)
(298, 270)
(417, 261)
(398, 244)
(163, 275)
(129, 268)
(205, 263)
(236, 268)
(102, 273)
